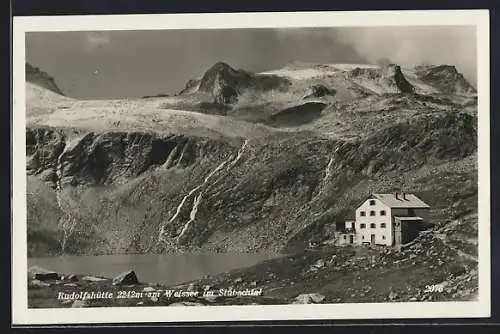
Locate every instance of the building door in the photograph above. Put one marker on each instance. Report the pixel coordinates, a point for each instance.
(397, 238)
(372, 240)
(397, 233)
(351, 239)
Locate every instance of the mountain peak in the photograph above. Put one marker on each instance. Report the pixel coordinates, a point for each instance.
(390, 76)
(221, 74)
(446, 77)
(40, 78)
(221, 66)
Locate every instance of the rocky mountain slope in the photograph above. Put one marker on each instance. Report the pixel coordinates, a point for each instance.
(246, 162)
(36, 76)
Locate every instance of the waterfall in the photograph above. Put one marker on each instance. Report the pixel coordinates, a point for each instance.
(184, 149)
(240, 153)
(328, 171)
(197, 200)
(195, 189)
(192, 214)
(67, 222)
(170, 157)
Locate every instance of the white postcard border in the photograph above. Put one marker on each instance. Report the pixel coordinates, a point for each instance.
(22, 315)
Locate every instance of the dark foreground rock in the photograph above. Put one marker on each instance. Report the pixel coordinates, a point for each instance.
(128, 277)
(309, 298)
(42, 274)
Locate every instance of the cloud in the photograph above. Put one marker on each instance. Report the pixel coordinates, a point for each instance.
(408, 46)
(404, 45)
(95, 40)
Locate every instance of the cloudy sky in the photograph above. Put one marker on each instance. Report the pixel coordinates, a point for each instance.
(114, 64)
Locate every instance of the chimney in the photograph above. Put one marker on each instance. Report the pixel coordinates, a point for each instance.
(404, 196)
(396, 194)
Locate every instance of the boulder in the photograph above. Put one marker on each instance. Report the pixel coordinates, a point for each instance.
(42, 274)
(35, 284)
(457, 270)
(47, 276)
(93, 279)
(127, 277)
(393, 295)
(319, 264)
(309, 298)
(79, 303)
(72, 278)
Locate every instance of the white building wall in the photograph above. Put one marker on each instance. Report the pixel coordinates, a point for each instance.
(341, 241)
(364, 234)
(350, 224)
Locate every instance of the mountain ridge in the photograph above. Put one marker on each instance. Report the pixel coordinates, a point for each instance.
(41, 78)
(186, 178)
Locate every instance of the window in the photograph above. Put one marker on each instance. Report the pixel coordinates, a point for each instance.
(382, 225)
(372, 213)
(345, 237)
(363, 237)
(372, 225)
(383, 237)
(362, 213)
(362, 225)
(372, 202)
(382, 212)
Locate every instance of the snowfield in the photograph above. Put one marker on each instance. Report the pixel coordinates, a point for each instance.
(299, 74)
(140, 117)
(183, 114)
(310, 71)
(349, 67)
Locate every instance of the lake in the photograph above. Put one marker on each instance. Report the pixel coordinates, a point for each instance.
(152, 268)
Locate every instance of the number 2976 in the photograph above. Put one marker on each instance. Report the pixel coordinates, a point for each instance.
(434, 288)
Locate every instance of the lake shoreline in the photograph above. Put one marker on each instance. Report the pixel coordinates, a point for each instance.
(321, 275)
(165, 269)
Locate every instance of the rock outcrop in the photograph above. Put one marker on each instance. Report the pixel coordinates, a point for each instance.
(126, 278)
(102, 158)
(446, 78)
(225, 84)
(318, 91)
(36, 76)
(309, 298)
(389, 77)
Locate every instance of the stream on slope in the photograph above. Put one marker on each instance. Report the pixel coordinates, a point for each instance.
(152, 268)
